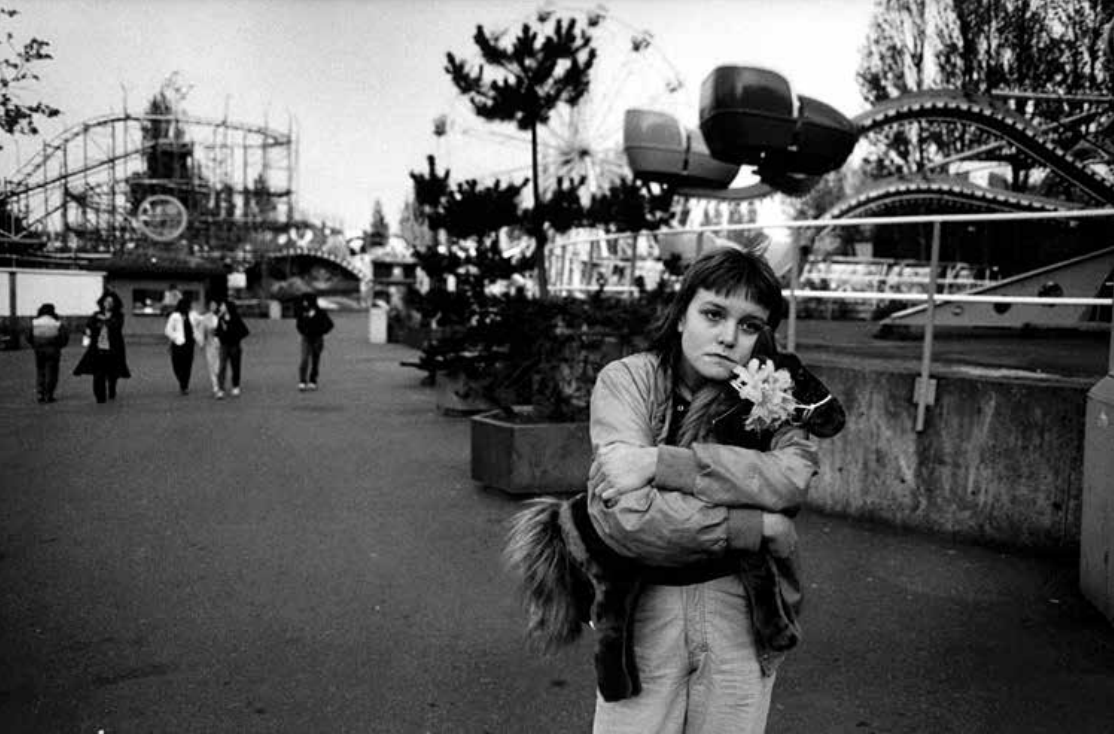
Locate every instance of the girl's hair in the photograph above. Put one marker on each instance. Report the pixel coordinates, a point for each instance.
(233, 311)
(183, 306)
(725, 271)
(47, 309)
(110, 296)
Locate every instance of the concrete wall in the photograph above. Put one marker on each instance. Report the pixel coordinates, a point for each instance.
(1000, 460)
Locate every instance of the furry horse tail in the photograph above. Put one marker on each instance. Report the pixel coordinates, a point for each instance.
(551, 581)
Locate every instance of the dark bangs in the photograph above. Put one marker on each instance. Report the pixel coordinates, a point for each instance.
(750, 284)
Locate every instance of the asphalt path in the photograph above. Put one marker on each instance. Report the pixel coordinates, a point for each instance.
(322, 562)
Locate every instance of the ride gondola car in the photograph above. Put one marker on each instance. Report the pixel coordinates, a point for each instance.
(660, 149)
(750, 116)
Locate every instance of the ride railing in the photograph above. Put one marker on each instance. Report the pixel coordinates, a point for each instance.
(608, 249)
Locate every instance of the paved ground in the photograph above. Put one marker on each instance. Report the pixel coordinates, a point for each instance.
(321, 562)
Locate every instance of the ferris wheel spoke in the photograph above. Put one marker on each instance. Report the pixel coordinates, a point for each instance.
(496, 136)
(582, 140)
(562, 135)
(610, 100)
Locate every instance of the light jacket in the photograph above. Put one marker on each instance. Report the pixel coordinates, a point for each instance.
(205, 331)
(707, 499)
(175, 329)
(48, 333)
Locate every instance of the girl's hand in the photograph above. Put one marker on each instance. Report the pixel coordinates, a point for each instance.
(780, 534)
(622, 468)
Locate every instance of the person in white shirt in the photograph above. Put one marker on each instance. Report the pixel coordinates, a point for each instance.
(180, 328)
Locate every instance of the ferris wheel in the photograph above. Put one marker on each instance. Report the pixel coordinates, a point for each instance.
(581, 141)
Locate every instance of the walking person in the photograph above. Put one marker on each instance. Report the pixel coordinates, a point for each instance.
(698, 508)
(313, 324)
(105, 356)
(48, 335)
(180, 327)
(205, 332)
(231, 331)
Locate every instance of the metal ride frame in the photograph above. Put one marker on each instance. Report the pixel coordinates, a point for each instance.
(84, 189)
(793, 293)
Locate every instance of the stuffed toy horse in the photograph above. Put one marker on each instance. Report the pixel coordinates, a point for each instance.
(569, 575)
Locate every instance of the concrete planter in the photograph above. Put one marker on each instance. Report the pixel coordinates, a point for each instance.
(524, 457)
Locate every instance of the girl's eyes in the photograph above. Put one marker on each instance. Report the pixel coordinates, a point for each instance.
(749, 327)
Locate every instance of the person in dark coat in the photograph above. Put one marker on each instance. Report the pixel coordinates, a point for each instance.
(231, 331)
(47, 336)
(105, 355)
(313, 324)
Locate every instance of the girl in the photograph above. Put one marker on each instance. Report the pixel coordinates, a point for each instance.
(231, 331)
(180, 327)
(667, 488)
(47, 337)
(205, 329)
(105, 356)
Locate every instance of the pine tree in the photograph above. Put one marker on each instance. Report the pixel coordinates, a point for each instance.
(533, 76)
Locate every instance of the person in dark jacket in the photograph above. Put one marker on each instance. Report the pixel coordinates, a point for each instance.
(313, 324)
(47, 336)
(231, 331)
(105, 356)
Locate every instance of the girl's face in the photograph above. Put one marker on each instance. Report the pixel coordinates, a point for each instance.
(718, 332)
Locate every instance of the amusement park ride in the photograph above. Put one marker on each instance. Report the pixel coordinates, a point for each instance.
(128, 186)
(120, 182)
(751, 117)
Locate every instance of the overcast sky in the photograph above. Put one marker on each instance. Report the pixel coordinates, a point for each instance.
(363, 81)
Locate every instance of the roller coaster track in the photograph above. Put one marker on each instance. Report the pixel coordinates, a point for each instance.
(21, 180)
(887, 192)
(991, 115)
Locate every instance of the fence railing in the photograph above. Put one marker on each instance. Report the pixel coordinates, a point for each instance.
(930, 295)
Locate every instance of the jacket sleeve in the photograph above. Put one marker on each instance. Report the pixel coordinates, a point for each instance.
(776, 480)
(653, 524)
(173, 330)
(198, 328)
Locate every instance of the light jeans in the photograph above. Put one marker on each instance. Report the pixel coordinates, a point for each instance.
(212, 362)
(696, 659)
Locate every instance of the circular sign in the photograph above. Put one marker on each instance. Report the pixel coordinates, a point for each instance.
(161, 217)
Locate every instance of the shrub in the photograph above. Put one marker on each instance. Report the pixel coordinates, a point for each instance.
(547, 353)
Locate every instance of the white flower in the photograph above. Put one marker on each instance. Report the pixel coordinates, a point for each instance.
(769, 390)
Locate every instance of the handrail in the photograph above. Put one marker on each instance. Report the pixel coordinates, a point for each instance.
(794, 292)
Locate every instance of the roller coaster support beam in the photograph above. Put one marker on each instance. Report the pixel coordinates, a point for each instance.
(1096, 537)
